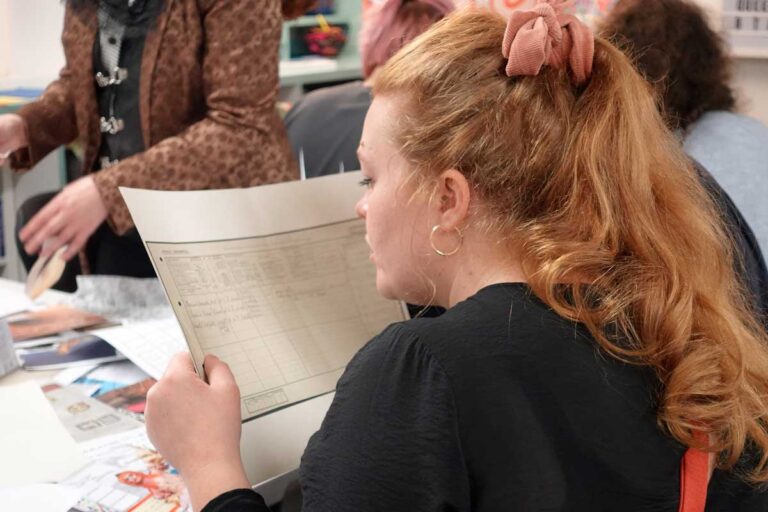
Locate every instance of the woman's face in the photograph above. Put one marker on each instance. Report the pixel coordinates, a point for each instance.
(396, 220)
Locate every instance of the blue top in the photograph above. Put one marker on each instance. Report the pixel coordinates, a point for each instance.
(734, 149)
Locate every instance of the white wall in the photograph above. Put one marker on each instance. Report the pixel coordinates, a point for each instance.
(750, 76)
(4, 38)
(30, 42)
(751, 83)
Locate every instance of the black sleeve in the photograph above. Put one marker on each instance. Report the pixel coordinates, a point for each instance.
(729, 492)
(239, 500)
(390, 440)
(751, 265)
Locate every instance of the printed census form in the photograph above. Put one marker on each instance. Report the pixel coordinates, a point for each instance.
(287, 312)
(286, 306)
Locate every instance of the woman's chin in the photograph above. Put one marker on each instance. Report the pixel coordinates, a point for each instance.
(386, 287)
(385, 290)
(391, 292)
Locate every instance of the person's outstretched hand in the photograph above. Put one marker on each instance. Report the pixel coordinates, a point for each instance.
(68, 219)
(13, 135)
(196, 426)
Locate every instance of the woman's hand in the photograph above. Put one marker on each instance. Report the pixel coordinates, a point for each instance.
(13, 135)
(196, 426)
(69, 218)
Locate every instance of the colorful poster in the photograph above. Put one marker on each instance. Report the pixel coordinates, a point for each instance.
(127, 474)
(132, 398)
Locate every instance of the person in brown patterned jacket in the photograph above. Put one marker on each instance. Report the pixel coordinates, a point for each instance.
(162, 94)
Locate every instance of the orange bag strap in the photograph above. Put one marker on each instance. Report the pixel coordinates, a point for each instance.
(695, 471)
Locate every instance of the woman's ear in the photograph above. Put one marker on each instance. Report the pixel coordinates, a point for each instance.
(452, 199)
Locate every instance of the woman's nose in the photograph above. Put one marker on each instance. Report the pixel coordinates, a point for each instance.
(361, 208)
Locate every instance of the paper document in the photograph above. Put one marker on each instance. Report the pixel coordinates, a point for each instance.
(8, 359)
(125, 472)
(13, 299)
(50, 321)
(275, 280)
(34, 445)
(149, 344)
(39, 498)
(86, 418)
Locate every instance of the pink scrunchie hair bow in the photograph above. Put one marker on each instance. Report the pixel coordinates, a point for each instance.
(545, 37)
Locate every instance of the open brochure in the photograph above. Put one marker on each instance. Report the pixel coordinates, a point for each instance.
(125, 472)
(274, 280)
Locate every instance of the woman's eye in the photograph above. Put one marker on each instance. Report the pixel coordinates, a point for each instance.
(366, 182)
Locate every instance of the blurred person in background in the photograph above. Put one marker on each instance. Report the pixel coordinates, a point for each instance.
(687, 62)
(324, 127)
(161, 94)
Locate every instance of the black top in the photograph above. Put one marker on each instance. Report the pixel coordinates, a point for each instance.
(750, 265)
(499, 404)
(121, 101)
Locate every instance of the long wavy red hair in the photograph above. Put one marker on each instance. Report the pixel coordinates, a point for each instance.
(612, 224)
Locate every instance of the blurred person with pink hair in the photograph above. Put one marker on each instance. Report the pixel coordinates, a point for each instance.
(324, 127)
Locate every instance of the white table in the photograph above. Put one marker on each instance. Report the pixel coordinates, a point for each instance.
(270, 445)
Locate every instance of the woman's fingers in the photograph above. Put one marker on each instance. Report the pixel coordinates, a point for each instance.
(30, 234)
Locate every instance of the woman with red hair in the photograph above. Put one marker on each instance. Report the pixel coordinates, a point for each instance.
(598, 352)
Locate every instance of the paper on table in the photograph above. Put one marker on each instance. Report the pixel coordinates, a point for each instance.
(127, 473)
(86, 418)
(149, 344)
(39, 497)
(87, 390)
(124, 372)
(13, 301)
(51, 320)
(8, 359)
(274, 280)
(70, 375)
(35, 446)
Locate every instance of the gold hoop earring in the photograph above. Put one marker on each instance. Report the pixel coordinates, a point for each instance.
(443, 253)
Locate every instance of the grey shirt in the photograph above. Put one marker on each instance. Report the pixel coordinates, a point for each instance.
(734, 149)
(325, 126)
